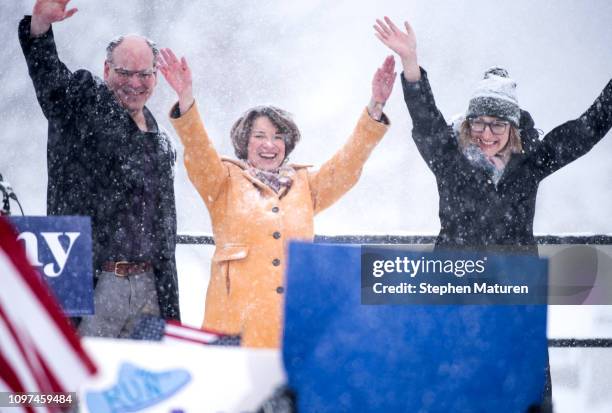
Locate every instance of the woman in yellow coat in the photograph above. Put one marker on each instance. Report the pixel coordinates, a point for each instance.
(259, 202)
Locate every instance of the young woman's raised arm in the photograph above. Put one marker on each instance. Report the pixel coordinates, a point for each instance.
(572, 139)
(430, 131)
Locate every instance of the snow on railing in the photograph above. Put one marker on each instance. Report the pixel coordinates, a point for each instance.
(430, 239)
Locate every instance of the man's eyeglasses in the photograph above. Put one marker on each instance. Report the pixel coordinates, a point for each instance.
(141, 74)
(497, 127)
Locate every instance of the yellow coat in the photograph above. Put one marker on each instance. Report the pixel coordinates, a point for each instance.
(251, 225)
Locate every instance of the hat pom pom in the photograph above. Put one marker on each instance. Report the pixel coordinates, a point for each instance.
(496, 71)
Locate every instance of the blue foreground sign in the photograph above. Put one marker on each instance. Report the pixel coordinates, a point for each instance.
(341, 355)
(60, 249)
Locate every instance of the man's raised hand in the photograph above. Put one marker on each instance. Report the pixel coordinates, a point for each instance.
(46, 12)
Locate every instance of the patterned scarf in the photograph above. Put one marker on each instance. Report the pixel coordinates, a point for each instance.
(279, 180)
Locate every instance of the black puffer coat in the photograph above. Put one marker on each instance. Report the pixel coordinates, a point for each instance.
(474, 211)
(95, 163)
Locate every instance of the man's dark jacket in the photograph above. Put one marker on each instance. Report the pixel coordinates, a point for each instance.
(95, 163)
(475, 211)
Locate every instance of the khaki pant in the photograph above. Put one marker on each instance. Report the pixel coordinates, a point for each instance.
(118, 303)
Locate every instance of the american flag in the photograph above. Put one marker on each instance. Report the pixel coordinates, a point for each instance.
(154, 328)
(39, 349)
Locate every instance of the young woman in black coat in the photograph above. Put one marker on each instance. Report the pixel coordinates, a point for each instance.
(488, 166)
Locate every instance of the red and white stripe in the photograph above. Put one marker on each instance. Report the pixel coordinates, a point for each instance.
(175, 331)
(39, 349)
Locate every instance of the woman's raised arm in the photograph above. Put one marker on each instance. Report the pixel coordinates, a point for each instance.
(203, 164)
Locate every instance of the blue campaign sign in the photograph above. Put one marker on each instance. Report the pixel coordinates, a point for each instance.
(341, 355)
(61, 249)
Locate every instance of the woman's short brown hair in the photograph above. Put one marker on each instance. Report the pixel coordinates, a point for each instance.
(281, 119)
(514, 144)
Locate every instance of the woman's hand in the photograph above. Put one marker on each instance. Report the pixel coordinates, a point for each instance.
(382, 85)
(402, 43)
(178, 75)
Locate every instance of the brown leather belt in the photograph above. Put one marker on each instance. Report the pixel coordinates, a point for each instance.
(125, 268)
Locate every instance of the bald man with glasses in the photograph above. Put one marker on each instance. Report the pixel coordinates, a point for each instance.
(109, 159)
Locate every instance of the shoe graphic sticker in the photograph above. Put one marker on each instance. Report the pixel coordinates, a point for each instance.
(137, 389)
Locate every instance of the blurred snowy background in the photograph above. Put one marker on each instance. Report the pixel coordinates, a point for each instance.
(316, 59)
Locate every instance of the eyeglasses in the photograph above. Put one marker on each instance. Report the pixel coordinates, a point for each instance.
(127, 74)
(497, 127)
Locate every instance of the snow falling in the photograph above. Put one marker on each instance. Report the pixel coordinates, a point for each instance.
(316, 60)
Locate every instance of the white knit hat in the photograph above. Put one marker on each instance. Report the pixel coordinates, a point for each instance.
(495, 95)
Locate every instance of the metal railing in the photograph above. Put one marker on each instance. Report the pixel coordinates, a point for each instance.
(414, 239)
(430, 239)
